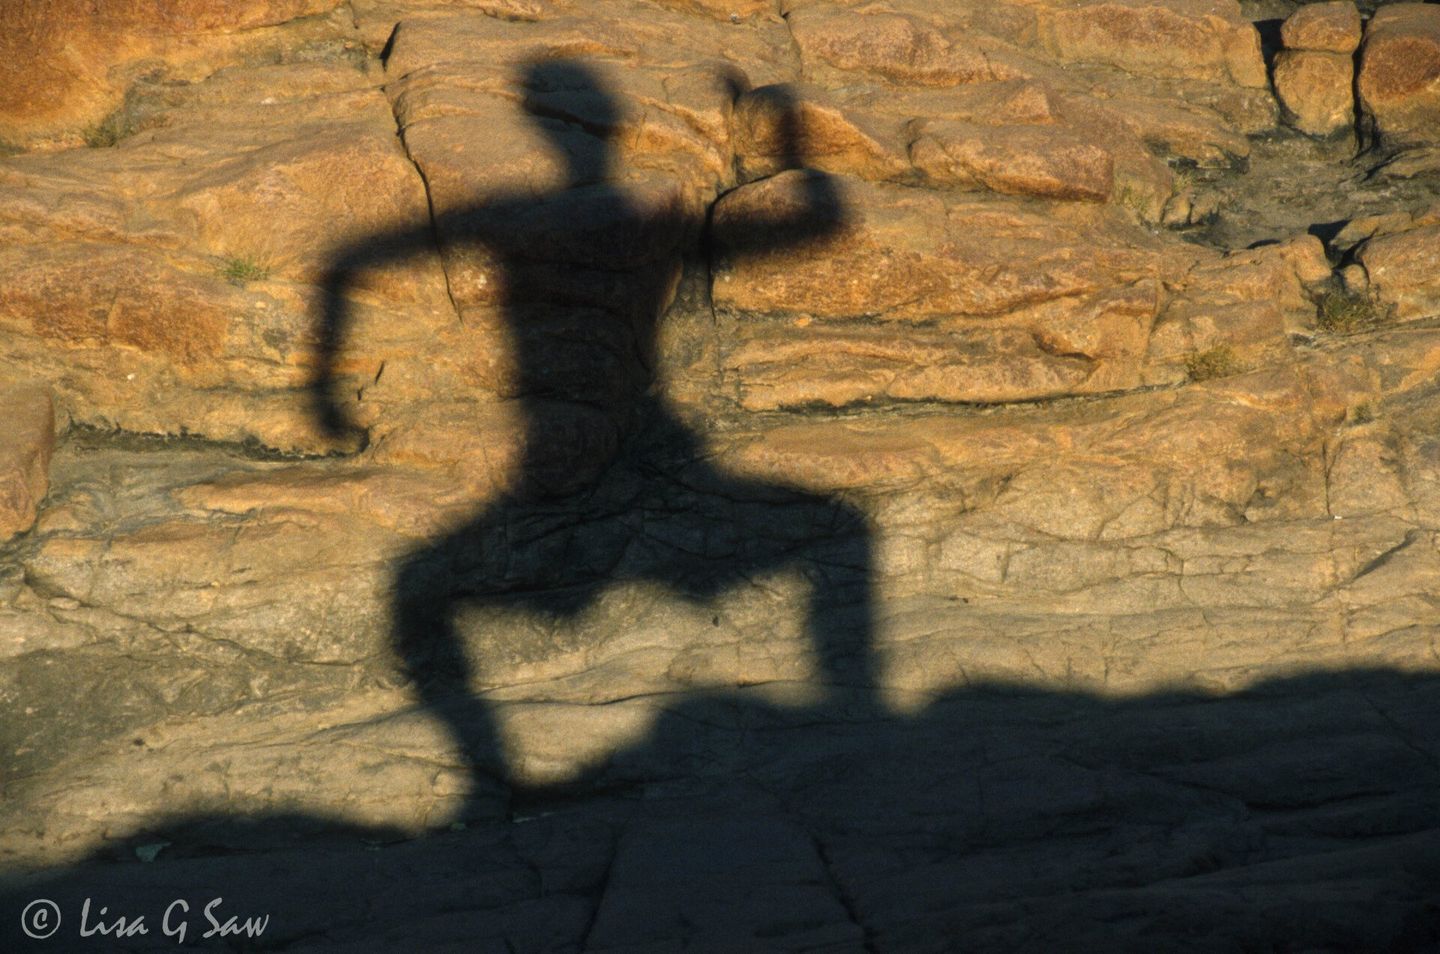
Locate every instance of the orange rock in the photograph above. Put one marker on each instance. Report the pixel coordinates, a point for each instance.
(80, 295)
(1316, 89)
(921, 297)
(180, 298)
(1194, 39)
(1123, 468)
(1404, 271)
(829, 136)
(1048, 161)
(64, 64)
(901, 49)
(1399, 83)
(1174, 123)
(1332, 27)
(1246, 302)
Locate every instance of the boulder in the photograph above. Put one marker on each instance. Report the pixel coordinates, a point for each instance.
(1195, 39)
(1332, 27)
(1399, 82)
(1315, 89)
(1404, 271)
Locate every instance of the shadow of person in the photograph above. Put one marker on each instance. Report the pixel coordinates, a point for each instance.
(612, 487)
(1297, 814)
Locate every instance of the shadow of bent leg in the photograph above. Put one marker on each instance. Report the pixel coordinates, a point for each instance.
(841, 611)
(434, 661)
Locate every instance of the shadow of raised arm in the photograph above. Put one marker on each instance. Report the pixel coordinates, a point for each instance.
(344, 273)
(808, 206)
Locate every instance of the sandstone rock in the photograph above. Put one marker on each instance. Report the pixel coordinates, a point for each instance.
(67, 64)
(1005, 318)
(1316, 89)
(752, 407)
(1011, 102)
(1399, 82)
(1413, 163)
(208, 326)
(901, 49)
(828, 136)
(669, 118)
(1365, 476)
(1332, 27)
(1072, 478)
(24, 454)
(1177, 126)
(1017, 136)
(1244, 304)
(1404, 270)
(1182, 38)
(1017, 160)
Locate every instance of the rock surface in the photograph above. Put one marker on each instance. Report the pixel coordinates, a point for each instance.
(1316, 89)
(68, 65)
(1332, 27)
(1403, 267)
(1399, 82)
(559, 475)
(29, 440)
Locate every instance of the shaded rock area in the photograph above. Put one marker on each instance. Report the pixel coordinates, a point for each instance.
(563, 475)
(25, 461)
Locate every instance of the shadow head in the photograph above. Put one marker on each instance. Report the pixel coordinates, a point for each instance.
(574, 107)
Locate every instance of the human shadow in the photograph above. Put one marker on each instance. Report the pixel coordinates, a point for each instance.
(612, 487)
(1298, 814)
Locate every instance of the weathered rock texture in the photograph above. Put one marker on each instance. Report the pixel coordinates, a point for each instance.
(1332, 27)
(1399, 83)
(1316, 88)
(559, 475)
(1315, 74)
(29, 440)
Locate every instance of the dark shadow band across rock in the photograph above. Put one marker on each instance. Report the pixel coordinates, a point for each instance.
(1302, 813)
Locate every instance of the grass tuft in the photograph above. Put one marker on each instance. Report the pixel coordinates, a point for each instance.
(1362, 413)
(238, 271)
(110, 130)
(1212, 363)
(1345, 313)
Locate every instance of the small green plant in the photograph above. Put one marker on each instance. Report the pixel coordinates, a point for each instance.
(1362, 413)
(1345, 313)
(1217, 362)
(238, 271)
